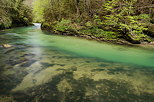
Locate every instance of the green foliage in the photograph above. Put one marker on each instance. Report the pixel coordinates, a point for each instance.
(124, 19)
(100, 18)
(39, 7)
(55, 10)
(14, 13)
(5, 20)
(62, 25)
(97, 32)
(89, 24)
(97, 20)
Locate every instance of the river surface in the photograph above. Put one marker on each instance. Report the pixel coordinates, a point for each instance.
(43, 67)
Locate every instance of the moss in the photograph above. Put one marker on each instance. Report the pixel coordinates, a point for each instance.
(64, 86)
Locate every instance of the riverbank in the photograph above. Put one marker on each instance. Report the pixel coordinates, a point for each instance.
(71, 32)
(119, 41)
(18, 26)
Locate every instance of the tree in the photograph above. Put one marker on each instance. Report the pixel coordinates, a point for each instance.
(39, 9)
(14, 13)
(120, 14)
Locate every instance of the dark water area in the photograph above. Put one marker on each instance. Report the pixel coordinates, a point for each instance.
(40, 67)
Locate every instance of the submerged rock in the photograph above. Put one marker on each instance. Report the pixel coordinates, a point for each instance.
(6, 45)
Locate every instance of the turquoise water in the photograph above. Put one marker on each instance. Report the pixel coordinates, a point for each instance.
(88, 48)
(43, 67)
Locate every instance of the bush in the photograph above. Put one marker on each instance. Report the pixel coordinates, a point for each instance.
(62, 25)
(17, 15)
(97, 32)
(5, 20)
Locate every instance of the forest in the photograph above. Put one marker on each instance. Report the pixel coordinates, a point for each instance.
(14, 13)
(105, 20)
(131, 20)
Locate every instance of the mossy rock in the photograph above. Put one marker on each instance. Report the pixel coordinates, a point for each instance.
(45, 26)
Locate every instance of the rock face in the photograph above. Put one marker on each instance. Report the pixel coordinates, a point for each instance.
(6, 45)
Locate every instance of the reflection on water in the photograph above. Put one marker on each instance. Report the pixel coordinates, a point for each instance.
(49, 68)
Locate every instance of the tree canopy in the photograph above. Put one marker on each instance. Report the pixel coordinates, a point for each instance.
(122, 18)
(128, 19)
(14, 13)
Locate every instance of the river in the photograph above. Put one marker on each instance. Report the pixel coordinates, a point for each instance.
(44, 67)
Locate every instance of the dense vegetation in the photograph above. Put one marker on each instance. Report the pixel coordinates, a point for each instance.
(102, 19)
(131, 20)
(14, 13)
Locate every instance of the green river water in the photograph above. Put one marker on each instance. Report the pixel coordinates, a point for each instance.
(43, 67)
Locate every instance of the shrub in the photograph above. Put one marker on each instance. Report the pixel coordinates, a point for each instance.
(62, 25)
(97, 32)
